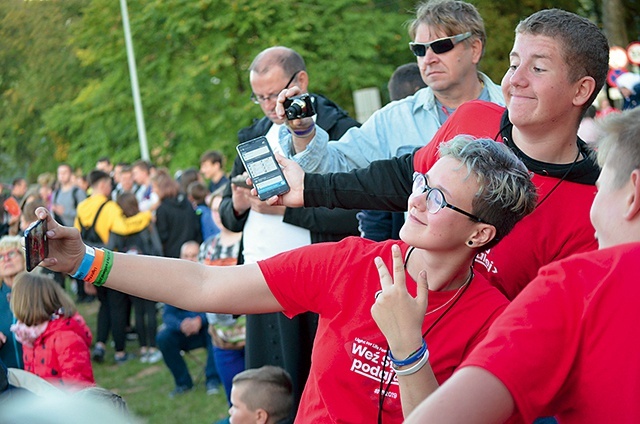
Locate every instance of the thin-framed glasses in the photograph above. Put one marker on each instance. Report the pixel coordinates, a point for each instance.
(435, 197)
(263, 99)
(7, 256)
(439, 46)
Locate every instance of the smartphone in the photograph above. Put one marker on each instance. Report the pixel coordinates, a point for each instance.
(36, 243)
(260, 162)
(240, 181)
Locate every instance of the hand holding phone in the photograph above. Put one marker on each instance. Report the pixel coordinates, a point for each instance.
(36, 243)
(263, 168)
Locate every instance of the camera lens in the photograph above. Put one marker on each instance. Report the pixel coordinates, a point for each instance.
(296, 109)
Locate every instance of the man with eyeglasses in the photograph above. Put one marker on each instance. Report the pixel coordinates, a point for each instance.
(273, 339)
(448, 42)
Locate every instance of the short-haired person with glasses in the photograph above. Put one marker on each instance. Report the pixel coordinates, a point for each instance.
(272, 339)
(357, 375)
(448, 40)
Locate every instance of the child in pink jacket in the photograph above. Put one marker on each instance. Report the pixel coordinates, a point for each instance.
(55, 338)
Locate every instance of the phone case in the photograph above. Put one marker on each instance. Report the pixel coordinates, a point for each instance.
(36, 244)
(263, 168)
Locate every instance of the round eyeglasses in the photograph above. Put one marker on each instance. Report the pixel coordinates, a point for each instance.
(435, 197)
(7, 256)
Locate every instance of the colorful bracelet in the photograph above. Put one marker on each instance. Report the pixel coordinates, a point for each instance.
(303, 132)
(85, 265)
(105, 269)
(415, 356)
(415, 368)
(96, 267)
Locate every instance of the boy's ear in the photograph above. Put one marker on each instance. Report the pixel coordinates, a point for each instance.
(262, 416)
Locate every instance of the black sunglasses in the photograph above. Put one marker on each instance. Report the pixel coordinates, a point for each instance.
(439, 46)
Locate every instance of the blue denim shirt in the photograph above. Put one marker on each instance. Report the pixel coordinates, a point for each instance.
(396, 129)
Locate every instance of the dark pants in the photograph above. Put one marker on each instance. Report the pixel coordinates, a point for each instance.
(112, 316)
(171, 342)
(229, 362)
(146, 321)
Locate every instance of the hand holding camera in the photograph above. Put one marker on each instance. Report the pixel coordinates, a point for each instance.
(297, 109)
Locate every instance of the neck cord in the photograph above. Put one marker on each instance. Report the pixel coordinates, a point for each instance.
(507, 125)
(384, 390)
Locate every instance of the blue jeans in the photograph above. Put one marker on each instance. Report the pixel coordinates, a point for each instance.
(229, 363)
(171, 342)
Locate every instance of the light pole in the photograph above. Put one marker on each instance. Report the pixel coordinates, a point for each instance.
(137, 104)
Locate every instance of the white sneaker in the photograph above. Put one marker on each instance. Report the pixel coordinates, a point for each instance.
(144, 357)
(153, 357)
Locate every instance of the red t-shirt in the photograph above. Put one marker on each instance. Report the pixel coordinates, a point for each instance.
(558, 228)
(568, 344)
(339, 282)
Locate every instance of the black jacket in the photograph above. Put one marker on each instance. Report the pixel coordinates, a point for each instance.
(177, 223)
(324, 224)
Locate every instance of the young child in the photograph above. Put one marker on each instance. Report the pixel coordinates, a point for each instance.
(55, 338)
(261, 395)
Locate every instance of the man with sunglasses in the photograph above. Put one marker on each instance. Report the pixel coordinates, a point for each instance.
(448, 42)
(273, 339)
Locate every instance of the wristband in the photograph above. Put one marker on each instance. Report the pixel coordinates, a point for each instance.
(303, 132)
(96, 266)
(87, 260)
(415, 356)
(105, 269)
(415, 368)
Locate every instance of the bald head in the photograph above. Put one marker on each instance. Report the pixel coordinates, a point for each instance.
(281, 57)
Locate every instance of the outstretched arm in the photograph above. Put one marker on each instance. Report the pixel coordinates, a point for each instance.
(472, 395)
(188, 285)
(383, 185)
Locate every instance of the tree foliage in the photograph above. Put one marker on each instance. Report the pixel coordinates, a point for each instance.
(66, 92)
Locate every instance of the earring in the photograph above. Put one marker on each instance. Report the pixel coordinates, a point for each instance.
(470, 243)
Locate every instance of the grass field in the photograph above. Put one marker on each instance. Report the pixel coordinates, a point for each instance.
(145, 387)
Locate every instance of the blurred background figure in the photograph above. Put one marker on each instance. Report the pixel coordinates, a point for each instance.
(144, 242)
(629, 86)
(12, 262)
(176, 219)
(228, 332)
(212, 169)
(184, 331)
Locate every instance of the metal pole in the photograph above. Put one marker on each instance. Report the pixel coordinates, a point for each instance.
(137, 104)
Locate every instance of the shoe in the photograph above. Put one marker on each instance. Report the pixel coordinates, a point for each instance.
(212, 388)
(180, 390)
(154, 357)
(144, 357)
(124, 358)
(98, 354)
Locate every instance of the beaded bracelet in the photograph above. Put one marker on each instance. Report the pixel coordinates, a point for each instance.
(415, 356)
(303, 132)
(87, 260)
(415, 368)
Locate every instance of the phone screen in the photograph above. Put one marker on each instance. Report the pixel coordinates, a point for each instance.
(36, 245)
(265, 173)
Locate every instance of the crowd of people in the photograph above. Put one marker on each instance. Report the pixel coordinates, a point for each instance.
(416, 259)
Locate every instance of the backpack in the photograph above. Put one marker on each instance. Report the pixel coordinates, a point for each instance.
(89, 234)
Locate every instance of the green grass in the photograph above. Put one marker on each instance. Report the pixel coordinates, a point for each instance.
(146, 387)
